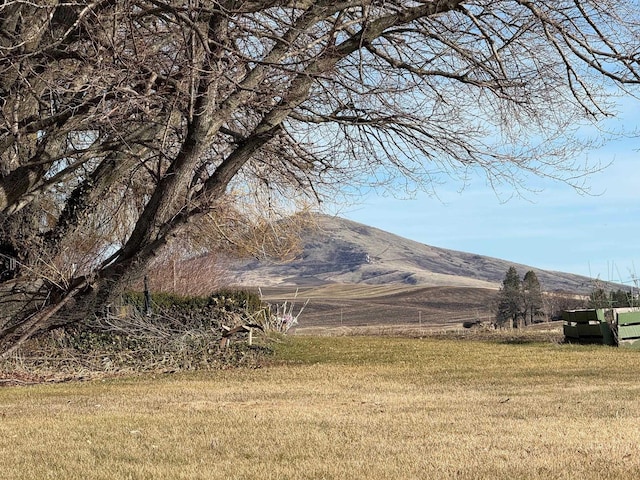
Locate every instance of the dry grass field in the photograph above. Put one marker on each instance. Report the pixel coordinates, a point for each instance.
(343, 408)
(360, 305)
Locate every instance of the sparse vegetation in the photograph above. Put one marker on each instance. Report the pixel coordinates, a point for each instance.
(196, 276)
(343, 408)
(281, 317)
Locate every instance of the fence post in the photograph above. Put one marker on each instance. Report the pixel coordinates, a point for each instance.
(147, 297)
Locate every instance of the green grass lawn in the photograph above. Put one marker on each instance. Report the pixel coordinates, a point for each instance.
(342, 408)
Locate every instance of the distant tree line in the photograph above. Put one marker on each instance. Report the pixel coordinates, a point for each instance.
(521, 303)
(600, 298)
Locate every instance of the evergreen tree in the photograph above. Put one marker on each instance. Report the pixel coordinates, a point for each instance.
(598, 298)
(620, 298)
(509, 300)
(531, 297)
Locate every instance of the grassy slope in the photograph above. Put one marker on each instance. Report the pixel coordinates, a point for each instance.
(343, 408)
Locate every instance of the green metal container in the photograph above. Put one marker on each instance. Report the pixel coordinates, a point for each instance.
(587, 326)
(628, 326)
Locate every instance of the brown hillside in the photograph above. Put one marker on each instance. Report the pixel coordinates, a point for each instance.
(357, 276)
(345, 252)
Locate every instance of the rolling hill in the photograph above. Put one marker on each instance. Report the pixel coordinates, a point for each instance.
(340, 251)
(358, 277)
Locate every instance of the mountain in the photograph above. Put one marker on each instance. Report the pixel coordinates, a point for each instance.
(341, 251)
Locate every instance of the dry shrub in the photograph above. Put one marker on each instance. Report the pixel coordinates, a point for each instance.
(281, 317)
(182, 333)
(196, 276)
(199, 263)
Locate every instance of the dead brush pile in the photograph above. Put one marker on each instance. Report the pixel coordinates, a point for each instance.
(179, 333)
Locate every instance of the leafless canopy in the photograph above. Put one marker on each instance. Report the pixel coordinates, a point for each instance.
(136, 119)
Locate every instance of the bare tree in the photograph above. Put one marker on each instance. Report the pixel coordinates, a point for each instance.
(122, 124)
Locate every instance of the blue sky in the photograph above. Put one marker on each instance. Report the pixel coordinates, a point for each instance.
(556, 229)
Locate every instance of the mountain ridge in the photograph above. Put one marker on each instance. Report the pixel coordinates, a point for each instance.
(337, 250)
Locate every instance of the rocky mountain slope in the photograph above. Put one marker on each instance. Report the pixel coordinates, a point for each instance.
(343, 251)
